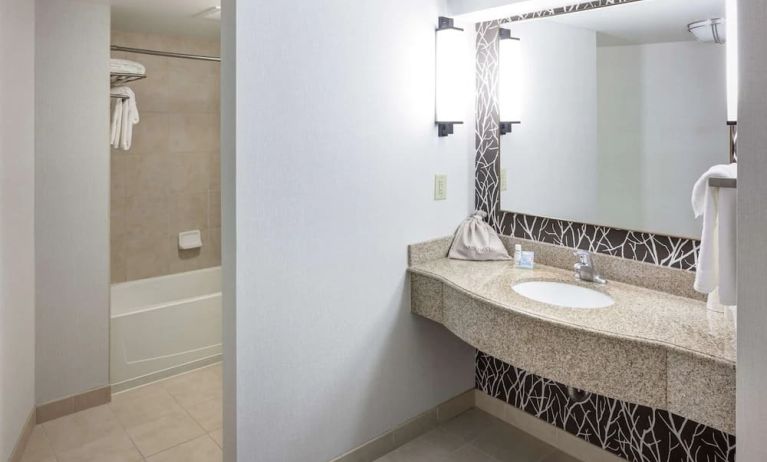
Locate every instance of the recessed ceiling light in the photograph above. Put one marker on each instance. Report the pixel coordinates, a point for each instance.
(213, 13)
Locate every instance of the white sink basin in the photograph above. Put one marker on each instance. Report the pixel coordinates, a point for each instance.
(561, 294)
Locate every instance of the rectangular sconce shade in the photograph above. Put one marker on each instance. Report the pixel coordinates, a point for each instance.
(510, 79)
(732, 61)
(452, 69)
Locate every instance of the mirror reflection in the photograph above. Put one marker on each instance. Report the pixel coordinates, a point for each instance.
(620, 109)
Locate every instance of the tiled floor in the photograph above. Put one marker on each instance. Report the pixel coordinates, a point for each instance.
(475, 436)
(179, 420)
(176, 420)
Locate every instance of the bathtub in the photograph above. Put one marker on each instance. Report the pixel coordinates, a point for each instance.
(163, 326)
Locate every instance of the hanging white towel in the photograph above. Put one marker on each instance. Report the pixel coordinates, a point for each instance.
(716, 262)
(727, 228)
(117, 115)
(125, 116)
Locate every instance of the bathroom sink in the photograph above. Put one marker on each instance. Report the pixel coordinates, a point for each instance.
(562, 294)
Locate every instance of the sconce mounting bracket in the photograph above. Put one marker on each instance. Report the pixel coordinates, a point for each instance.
(446, 128)
(506, 127)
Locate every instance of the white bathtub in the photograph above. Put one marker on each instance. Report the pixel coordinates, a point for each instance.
(164, 325)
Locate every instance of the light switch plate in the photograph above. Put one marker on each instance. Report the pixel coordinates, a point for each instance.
(440, 187)
(504, 180)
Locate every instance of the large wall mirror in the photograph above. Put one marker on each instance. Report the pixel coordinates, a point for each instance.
(621, 109)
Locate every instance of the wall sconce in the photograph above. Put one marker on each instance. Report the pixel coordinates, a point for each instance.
(510, 81)
(450, 85)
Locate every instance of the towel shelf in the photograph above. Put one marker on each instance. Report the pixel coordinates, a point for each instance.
(731, 183)
(116, 78)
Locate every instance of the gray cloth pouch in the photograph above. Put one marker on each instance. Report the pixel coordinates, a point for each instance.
(476, 240)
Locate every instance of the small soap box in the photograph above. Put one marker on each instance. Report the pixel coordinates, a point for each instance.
(522, 259)
(527, 260)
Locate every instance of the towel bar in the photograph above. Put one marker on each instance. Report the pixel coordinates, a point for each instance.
(723, 183)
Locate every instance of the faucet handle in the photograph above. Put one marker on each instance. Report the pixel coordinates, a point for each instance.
(584, 257)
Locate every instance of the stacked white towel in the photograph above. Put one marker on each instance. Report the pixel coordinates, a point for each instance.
(125, 66)
(124, 117)
(717, 261)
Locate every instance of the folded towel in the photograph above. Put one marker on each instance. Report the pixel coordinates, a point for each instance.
(716, 262)
(124, 66)
(124, 117)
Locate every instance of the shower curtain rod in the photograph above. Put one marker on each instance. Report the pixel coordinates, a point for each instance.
(165, 53)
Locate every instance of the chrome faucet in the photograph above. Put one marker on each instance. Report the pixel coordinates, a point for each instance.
(585, 270)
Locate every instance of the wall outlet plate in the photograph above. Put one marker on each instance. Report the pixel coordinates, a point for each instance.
(504, 180)
(440, 187)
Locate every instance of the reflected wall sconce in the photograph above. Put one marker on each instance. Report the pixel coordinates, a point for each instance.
(510, 80)
(709, 30)
(450, 71)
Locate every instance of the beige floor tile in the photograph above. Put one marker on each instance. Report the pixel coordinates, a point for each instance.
(216, 370)
(508, 444)
(167, 431)
(470, 453)
(445, 440)
(470, 425)
(147, 421)
(143, 405)
(475, 436)
(114, 448)
(77, 430)
(202, 449)
(421, 449)
(559, 457)
(218, 437)
(38, 448)
(195, 387)
(208, 414)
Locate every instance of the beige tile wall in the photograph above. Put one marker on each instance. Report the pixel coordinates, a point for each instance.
(168, 181)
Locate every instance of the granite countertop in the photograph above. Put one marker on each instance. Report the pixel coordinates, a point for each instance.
(639, 314)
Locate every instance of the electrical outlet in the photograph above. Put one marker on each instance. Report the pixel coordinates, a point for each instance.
(504, 180)
(440, 187)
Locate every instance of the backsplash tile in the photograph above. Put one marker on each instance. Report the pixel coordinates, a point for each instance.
(634, 432)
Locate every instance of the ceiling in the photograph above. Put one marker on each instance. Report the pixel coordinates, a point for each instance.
(647, 21)
(173, 17)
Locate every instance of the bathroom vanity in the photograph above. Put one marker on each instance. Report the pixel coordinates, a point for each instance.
(593, 123)
(656, 346)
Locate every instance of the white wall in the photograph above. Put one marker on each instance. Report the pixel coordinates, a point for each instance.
(335, 155)
(550, 157)
(661, 125)
(17, 196)
(228, 223)
(752, 248)
(72, 197)
(457, 7)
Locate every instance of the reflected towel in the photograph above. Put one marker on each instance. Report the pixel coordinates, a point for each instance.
(717, 259)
